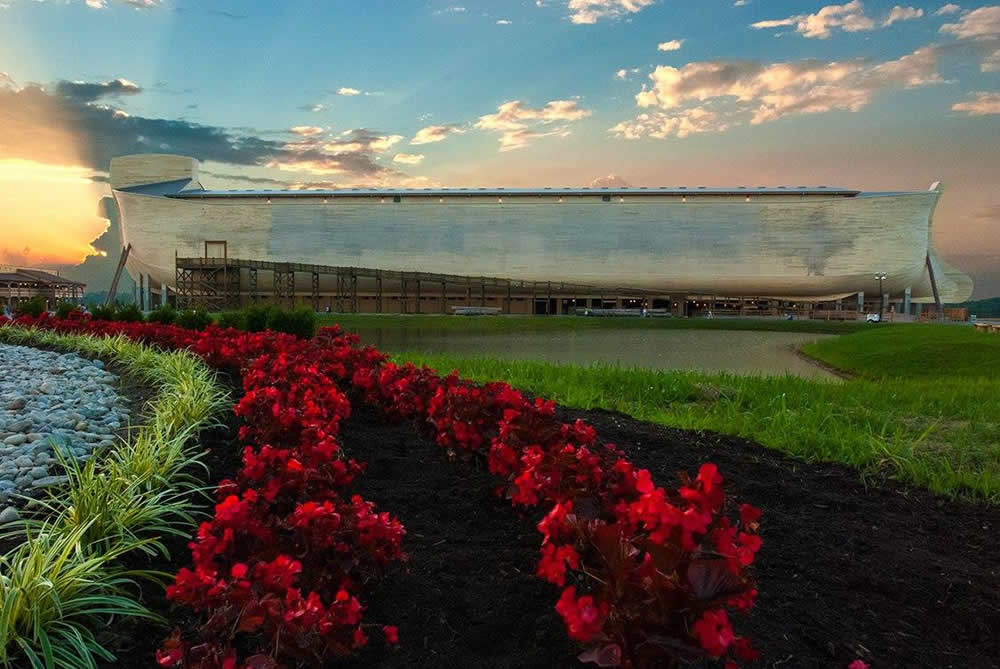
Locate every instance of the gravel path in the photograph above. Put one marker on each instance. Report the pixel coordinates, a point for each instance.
(51, 403)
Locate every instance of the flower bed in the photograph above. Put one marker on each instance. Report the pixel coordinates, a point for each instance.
(648, 574)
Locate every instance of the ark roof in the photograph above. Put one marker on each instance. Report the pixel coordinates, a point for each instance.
(515, 192)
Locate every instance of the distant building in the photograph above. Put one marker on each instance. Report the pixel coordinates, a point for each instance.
(20, 284)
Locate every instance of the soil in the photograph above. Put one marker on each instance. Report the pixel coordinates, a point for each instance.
(892, 575)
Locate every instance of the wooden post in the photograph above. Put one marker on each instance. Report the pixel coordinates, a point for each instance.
(444, 297)
(508, 297)
(354, 290)
(417, 310)
(378, 291)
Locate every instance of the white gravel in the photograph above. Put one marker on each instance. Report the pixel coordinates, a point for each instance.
(51, 402)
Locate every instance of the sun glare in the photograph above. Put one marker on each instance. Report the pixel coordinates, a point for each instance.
(49, 214)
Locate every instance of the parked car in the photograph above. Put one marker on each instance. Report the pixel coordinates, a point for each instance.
(873, 318)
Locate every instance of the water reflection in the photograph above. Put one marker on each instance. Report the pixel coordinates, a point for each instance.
(738, 352)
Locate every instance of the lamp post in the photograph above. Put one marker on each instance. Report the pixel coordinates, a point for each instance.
(881, 276)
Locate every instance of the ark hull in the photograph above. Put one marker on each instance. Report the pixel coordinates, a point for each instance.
(788, 245)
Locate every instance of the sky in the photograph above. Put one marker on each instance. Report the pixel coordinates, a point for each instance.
(335, 93)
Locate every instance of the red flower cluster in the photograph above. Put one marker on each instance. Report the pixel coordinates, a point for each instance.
(658, 567)
(661, 567)
(286, 502)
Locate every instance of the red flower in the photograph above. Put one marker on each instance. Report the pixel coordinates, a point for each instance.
(713, 632)
(391, 634)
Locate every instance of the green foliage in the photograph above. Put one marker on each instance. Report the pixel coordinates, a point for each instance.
(165, 314)
(193, 319)
(102, 313)
(300, 322)
(128, 313)
(233, 319)
(64, 309)
(34, 307)
(54, 592)
(257, 317)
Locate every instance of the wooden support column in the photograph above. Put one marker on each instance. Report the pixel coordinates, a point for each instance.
(444, 297)
(548, 301)
(482, 292)
(315, 291)
(508, 297)
(354, 291)
(378, 291)
(468, 291)
(402, 295)
(142, 293)
(417, 309)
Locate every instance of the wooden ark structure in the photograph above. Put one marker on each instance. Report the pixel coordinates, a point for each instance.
(544, 250)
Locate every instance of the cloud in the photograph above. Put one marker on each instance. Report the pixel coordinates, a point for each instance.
(522, 137)
(436, 133)
(6, 81)
(982, 104)
(451, 10)
(675, 124)
(137, 4)
(991, 63)
(741, 3)
(82, 91)
(591, 11)
(408, 158)
(514, 121)
(503, 22)
(38, 124)
(610, 181)
(672, 45)
(849, 17)
(512, 115)
(979, 23)
(950, 8)
(317, 107)
(899, 13)
(518, 124)
(306, 130)
(345, 90)
(623, 73)
(226, 15)
(707, 96)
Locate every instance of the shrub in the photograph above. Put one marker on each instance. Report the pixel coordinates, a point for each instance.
(128, 313)
(300, 322)
(102, 313)
(66, 309)
(192, 319)
(233, 319)
(165, 314)
(256, 317)
(34, 307)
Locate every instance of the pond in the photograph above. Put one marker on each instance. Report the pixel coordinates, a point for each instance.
(737, 352)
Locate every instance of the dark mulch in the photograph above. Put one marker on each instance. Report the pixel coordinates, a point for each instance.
(898, 577)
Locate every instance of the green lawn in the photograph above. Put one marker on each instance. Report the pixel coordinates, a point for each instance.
(925, 407)
(561, 323)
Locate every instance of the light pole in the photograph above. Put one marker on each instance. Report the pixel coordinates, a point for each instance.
(881, 276)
